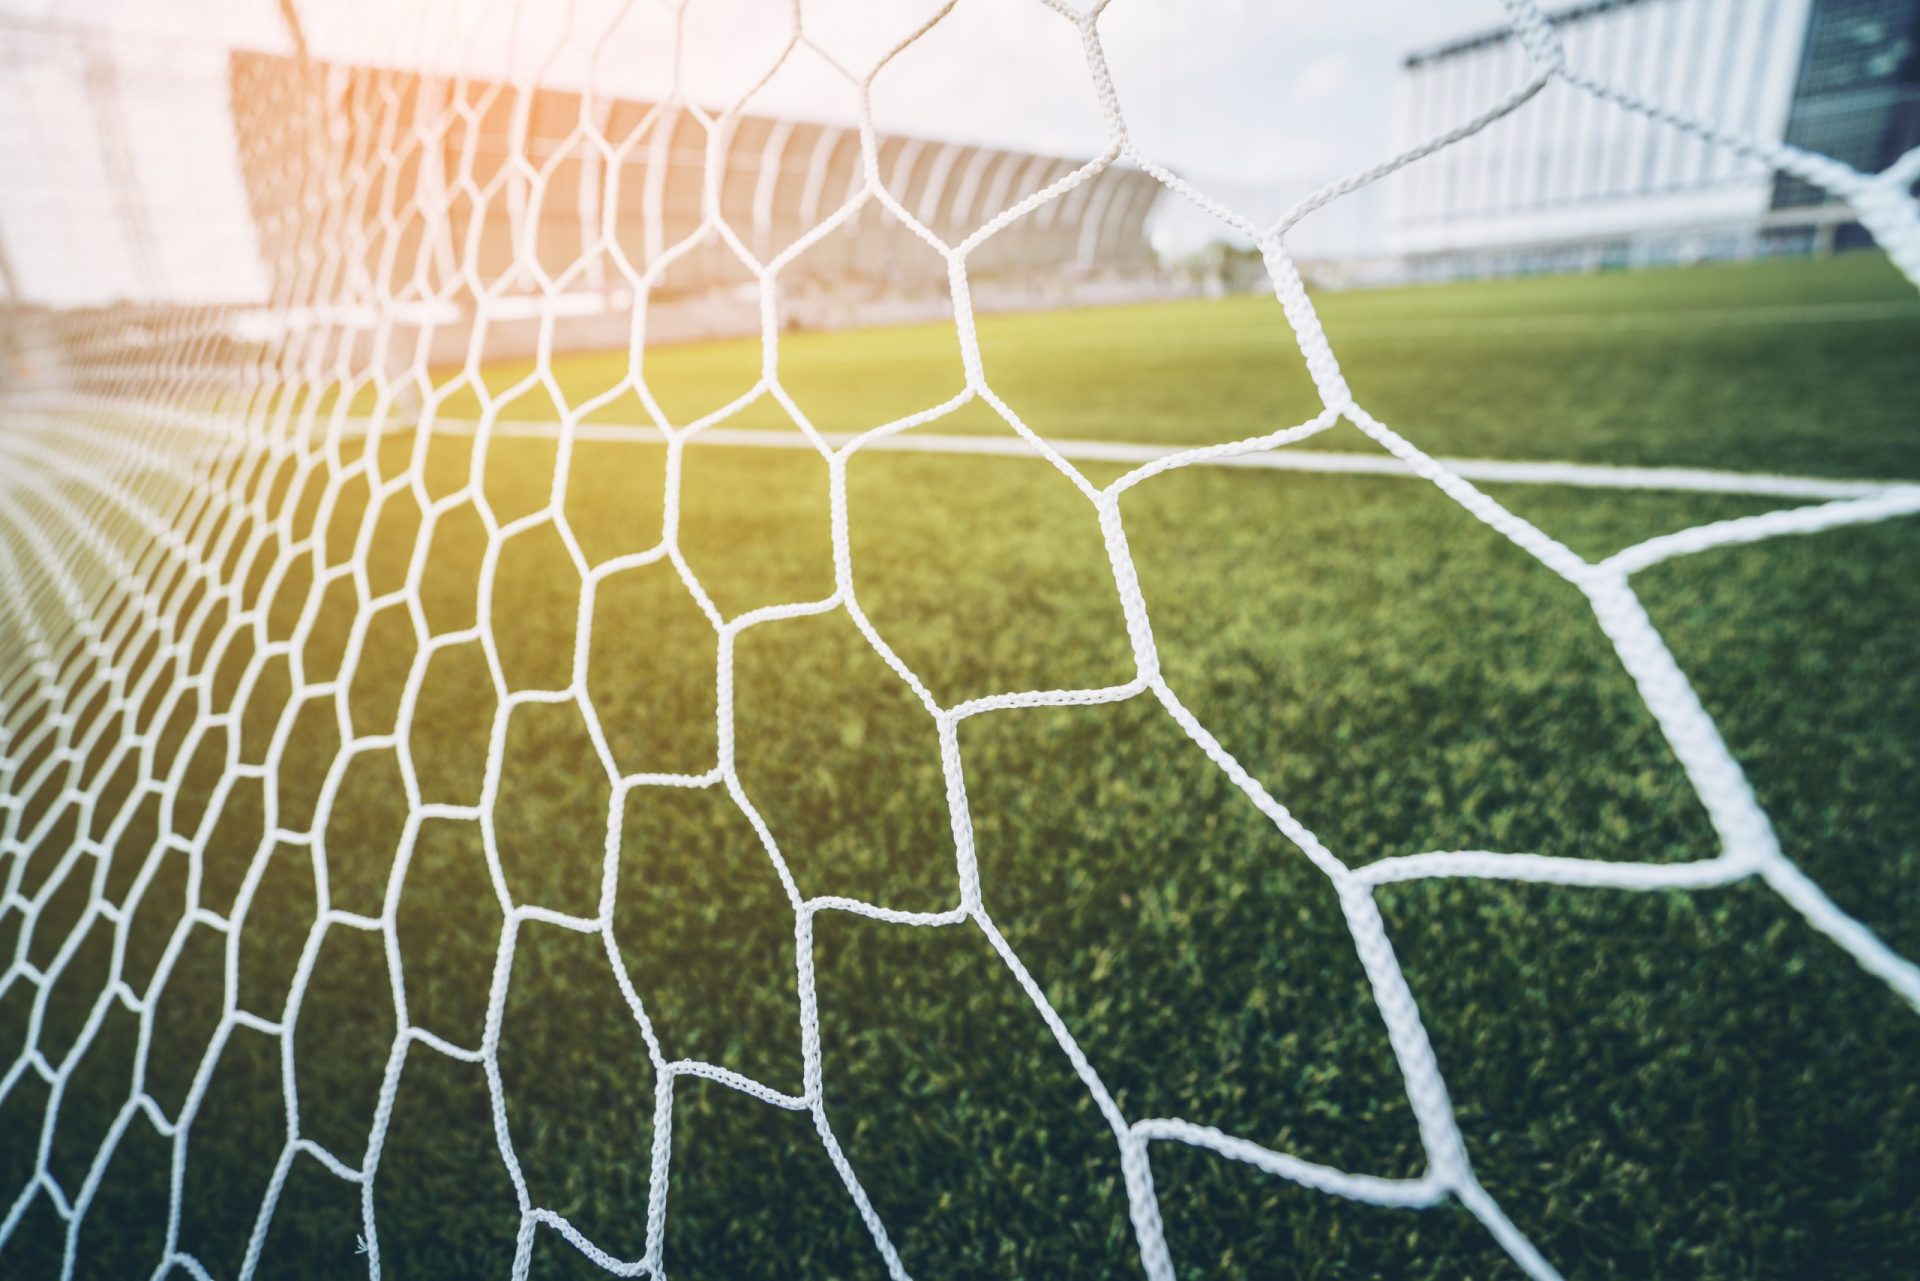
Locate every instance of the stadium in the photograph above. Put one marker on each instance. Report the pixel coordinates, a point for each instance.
(774, 180)
(679, 639)
(1581, 183)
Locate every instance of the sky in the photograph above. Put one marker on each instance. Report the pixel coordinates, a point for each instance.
(1258, 102)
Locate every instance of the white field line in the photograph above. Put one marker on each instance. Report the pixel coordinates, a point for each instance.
(1797, 314)
(1006, 337)
(1489, 470)
(1485, 470)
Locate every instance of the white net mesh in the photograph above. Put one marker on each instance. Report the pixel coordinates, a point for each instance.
(192, 498)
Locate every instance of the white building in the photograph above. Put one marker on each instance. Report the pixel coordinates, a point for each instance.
(1571, 182)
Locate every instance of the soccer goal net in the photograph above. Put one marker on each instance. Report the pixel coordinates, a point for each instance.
(357, 628)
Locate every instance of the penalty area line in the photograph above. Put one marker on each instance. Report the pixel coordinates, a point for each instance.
(1496, 471)
(1479, 470)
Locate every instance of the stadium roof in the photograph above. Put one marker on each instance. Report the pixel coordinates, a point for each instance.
(1494, 35)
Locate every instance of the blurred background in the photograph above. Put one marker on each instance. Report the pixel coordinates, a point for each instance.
(143, 169)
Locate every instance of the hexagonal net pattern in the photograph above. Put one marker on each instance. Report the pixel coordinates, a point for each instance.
(191, 501)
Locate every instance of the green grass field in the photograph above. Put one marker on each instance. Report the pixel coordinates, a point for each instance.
(1650, 1084)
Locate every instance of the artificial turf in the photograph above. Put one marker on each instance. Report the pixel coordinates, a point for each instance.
(1653, 1085)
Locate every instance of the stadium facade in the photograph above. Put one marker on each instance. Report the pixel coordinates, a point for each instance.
(1573, 183)
(519, 190)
